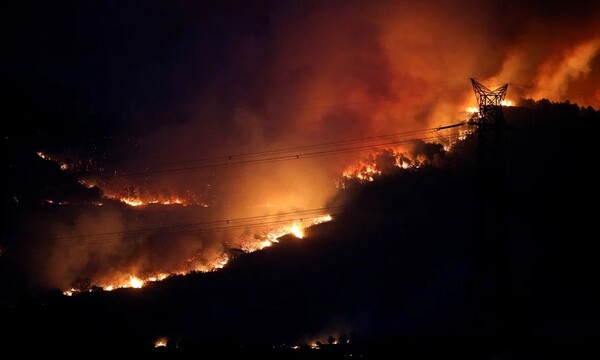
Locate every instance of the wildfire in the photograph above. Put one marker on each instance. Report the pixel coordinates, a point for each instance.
(475, 109)
(296, 231)
(272, 236)
(138, 201)
(135, 282)
(131, 201)
(373, 165)
(195, 264)
(161, 342)
(220, 263)
(63, 166)
(43, 156)
(382, 161)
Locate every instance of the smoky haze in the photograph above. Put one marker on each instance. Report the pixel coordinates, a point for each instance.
(183, 82)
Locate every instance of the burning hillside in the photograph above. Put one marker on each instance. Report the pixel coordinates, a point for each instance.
(252, 110)
(252, 238)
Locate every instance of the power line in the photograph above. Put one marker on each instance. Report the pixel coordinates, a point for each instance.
(297, 148)
(235, 223)
(283, 155)
(291, 153)
(187, 232)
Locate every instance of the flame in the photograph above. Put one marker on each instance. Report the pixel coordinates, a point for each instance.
(379, 161)
(161, 342)
(195, 264)
(63, 166)
(151, 200)
(42, 155)
(159, 277)
(296, 231)
(475, 109)
(220, 263)
(131, 201)
(272, 236)
(368, 170)
(135, 282)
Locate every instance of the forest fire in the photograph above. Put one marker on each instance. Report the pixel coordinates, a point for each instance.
(475, 109)
(384, 160)
(160, 342)
(272, 235)
(135, 282)
(378, 162)
(134, 201)
(262, 239)
(296, 231)
(62, 165)
(137, 201)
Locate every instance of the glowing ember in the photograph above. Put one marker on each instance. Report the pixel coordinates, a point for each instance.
(135, 282)
(506, 103)
(42, 155)
(63, 166)
(160, 342)
(296, 231)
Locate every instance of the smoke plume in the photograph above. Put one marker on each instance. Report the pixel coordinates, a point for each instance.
(260, 76)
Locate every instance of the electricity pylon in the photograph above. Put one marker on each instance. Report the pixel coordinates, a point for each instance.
(489, 299)
(489, 120)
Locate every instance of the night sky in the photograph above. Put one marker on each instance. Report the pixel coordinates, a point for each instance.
(451, 247)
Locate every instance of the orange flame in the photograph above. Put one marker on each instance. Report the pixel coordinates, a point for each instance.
(135, 282)
(296, 231)
(269, 238)
(136, 201)
(161, 342)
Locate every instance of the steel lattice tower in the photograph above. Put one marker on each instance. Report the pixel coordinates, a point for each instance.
(490, 103)
(490, 123)
(489, 305)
